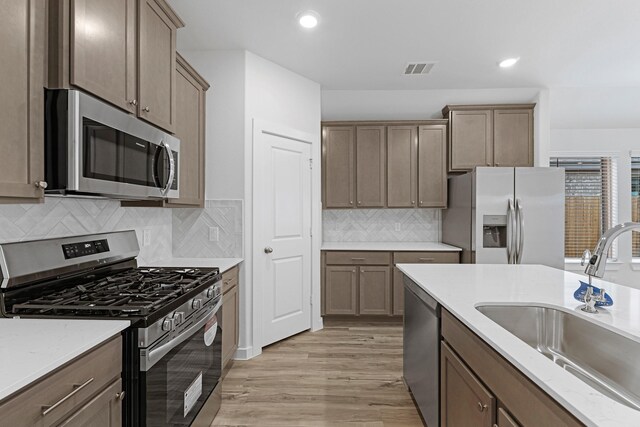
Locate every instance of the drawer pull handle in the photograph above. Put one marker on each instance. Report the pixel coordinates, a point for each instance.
(357, 259)
(427, 259)
(46, 409)
(481, 407)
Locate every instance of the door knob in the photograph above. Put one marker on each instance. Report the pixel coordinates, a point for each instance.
(268, 250)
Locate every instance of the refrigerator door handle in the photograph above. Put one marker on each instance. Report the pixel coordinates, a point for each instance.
(510, 232)
(520, 231)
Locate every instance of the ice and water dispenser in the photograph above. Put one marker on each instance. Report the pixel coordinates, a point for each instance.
(494, 231)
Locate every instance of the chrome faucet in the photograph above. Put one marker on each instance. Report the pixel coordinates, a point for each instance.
(598, 261)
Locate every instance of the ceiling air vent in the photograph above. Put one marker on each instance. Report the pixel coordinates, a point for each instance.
(418, 68)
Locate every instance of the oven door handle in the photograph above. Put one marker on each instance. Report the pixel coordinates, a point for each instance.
(148, 358)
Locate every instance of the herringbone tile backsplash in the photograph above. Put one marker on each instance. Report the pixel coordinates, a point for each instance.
(58, 217)
(191, 230)
(381, 225)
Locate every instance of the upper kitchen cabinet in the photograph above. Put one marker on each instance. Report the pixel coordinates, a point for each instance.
(489, 135)
(513, 137)
(338, 166)
(432, 170)
(93, 45)
(402, 174)
(191, 91)
(371, 166)
(156, 63)
(385, 164)
(122, 51)
(22, 31)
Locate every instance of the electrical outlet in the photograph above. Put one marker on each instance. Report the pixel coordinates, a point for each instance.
(146, 237)
(398, 226)
(214, 234)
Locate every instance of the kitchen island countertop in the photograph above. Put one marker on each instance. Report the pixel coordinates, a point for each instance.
(460, 288)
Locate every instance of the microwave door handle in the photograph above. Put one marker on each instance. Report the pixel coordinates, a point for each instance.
(172, 168)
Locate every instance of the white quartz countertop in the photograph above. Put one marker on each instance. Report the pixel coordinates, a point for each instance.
(32, 348)
(223, 264)
(459, 288)
(389, 246)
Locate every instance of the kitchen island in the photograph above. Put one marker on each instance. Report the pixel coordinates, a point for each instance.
(459, 289)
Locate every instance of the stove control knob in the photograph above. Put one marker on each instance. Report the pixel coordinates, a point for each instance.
(168, 324)
(196, 304)
(178, 316)
(210, 292)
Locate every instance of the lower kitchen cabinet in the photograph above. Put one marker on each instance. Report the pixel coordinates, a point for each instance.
(375, 291)
(367, 283)
(478, 387)
(465, 401)
(340, 290)
(85, 392)
(230, 316)
(104, 410)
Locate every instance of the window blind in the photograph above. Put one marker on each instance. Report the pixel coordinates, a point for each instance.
(635, 204)
(590, 201)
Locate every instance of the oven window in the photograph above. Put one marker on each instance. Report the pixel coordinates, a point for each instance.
(178, 385)
(113, 155)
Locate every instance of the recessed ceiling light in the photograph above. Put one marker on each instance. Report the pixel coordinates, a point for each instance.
(308, 19)
(509, 62)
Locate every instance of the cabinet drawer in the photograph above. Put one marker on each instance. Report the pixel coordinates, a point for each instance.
(49, 400)
(229, 279)
(426, 257)
(358, 258)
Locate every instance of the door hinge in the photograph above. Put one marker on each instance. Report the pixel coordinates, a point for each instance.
(310, 163)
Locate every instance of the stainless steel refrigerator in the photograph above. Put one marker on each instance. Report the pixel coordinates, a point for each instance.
(507, 216)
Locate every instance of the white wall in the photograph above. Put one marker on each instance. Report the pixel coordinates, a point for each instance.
(619, 143)
(277, 95)
(225, 132)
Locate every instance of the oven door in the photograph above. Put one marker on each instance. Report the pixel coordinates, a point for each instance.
(180, 375)
(114, 153)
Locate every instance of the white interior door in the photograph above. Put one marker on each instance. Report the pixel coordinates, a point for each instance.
(282, 223)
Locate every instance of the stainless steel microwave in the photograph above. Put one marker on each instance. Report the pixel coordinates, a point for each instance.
(94, 149)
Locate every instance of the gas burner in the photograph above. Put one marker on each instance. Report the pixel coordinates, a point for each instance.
(133, 292)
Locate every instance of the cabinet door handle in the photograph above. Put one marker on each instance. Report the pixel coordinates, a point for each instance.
(146, 109)
(46, 409)
(481, 407)
(41, 184)
(133, 102)
(120, 396)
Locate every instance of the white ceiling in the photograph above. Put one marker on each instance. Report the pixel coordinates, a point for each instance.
(365, 44)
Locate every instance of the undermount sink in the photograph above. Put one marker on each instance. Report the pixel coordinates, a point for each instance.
(605, 360)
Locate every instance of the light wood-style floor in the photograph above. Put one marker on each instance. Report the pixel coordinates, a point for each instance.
(348, 374)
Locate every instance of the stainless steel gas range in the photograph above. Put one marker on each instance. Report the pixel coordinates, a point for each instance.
(172, 357)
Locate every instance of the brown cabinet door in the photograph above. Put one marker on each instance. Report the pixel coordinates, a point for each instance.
(156, 66)
(22, 31)
(338, 151)
(104, 410)
(471, 140)
(402, 165)
(230, 325)
(513, 137)
(102, 49)
(375, 291)
(432, 169)
(371, 166)
(190, 123)
(340, 295)
(398, 292)
(504, 419)
(464, 400)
